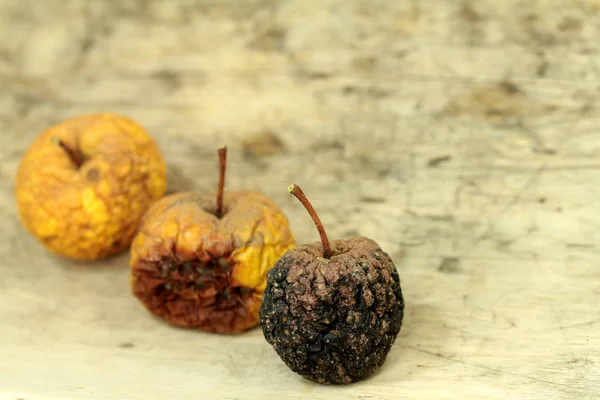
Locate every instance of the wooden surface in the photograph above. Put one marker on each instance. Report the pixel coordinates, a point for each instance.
(463, 137)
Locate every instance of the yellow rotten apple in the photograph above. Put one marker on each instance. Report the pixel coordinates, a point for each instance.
(200, 261)
(84, 184)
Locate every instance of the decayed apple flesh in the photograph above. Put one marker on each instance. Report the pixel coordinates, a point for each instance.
(196, 294)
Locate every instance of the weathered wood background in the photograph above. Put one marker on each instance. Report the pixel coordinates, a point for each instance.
(462, 136)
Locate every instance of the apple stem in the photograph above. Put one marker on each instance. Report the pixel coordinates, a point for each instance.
(75, 156)
(222, 167)
(299, 194)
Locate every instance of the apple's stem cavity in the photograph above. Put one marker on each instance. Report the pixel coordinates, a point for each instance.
(222, 167)
(74, 155)
(299, 194)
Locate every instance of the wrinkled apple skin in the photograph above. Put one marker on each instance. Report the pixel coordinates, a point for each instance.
(92, 211)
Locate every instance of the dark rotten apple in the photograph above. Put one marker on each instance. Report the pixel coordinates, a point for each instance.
(332, 310)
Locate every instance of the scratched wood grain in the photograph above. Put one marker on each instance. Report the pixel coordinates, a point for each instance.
(462, 136)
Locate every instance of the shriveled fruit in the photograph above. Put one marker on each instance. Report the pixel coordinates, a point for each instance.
(84, 184)
(196, 267)
(332, 310)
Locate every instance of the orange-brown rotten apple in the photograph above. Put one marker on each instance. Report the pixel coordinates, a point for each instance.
(200, 260)
(84, 184)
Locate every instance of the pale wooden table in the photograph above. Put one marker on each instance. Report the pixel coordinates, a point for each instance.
(463, 138)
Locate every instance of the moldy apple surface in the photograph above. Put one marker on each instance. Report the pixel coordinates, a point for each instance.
(333, 320)
(196, 270)
(89, 211)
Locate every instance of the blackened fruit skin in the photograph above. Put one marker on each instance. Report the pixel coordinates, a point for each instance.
(333, 321)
